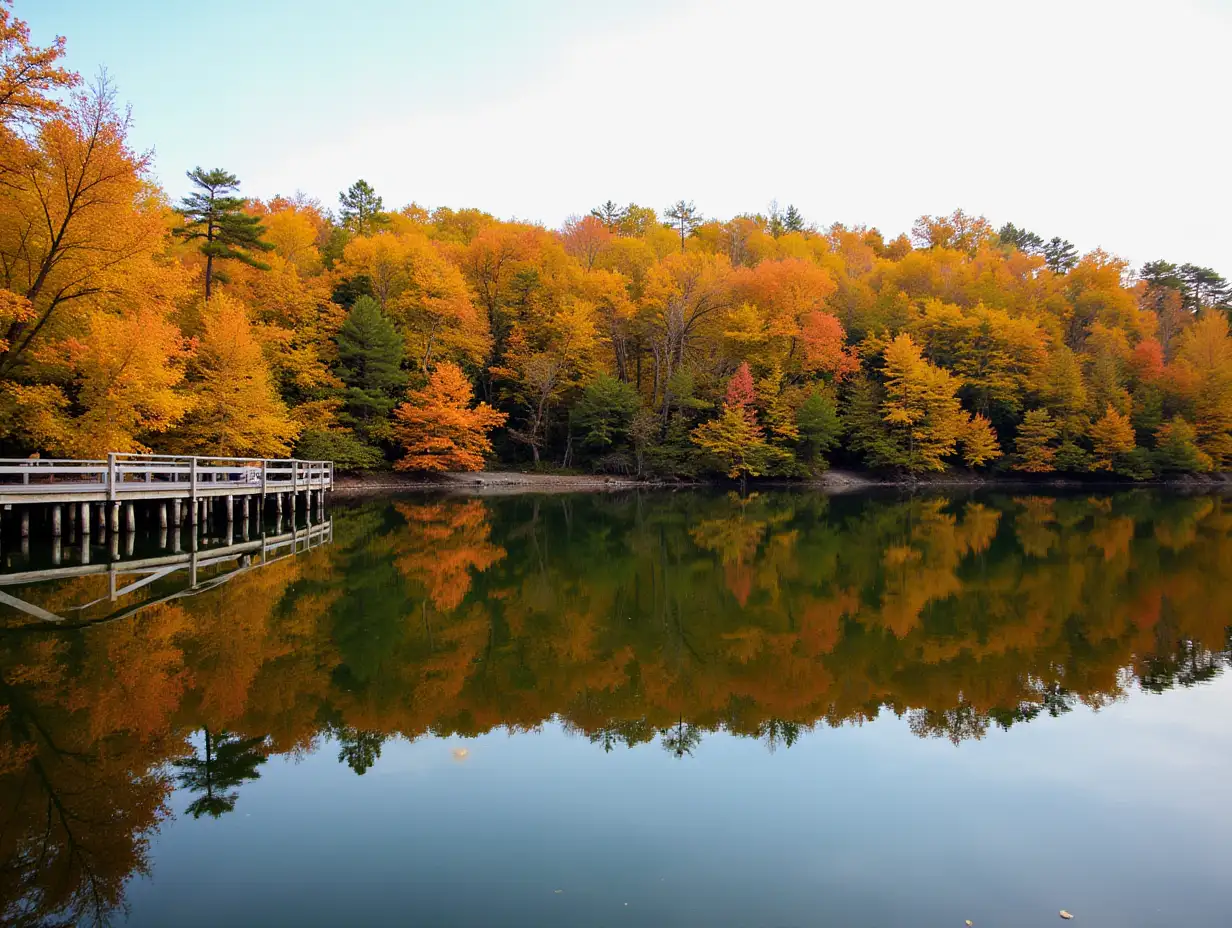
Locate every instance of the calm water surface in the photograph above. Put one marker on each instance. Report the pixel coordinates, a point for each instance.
(639, 709)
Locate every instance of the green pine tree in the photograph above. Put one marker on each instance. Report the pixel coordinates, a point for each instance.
(227, 761)
(819, 425)
(1060, 255)
(605, 411)
(214, 216)
(361, 208)
(370, 352)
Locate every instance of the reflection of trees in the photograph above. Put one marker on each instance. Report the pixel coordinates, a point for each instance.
(227, 761)
(774, 732)
(630, 619)
(77, 812)
(681, 739)
(357, 749)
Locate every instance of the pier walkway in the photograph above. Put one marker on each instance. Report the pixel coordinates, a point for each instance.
(174, 488)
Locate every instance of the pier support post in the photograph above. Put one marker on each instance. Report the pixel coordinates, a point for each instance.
(230, 509)
(56, 515)
(85, 519)
(85, 549)
(56, 550)
(25, 523)
(115, 518)
(162, 516)
(130, 518)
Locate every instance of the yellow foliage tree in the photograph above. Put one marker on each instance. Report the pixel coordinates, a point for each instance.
(425, 296)
(921, 407)
(235, 410)
(1112, 436)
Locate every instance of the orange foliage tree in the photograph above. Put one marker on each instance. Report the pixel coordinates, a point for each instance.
(438, 428)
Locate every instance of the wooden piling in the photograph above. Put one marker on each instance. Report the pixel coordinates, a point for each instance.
(162, 517)
(85, 520)
(56, 516)
(25, 523)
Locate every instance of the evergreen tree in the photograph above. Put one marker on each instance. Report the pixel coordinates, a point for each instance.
(361, 208)
(819, 425)
(605, 411)
(1202, 288)
(1161, 274)
(792, 220)
(684, 217)
(866, 430)
(1026, 242)
(370, 352)
(1059, 255)
(610, 215)
(1176, 447)
(214, 216)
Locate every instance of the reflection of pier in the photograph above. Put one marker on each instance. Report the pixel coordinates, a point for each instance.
(220, 564)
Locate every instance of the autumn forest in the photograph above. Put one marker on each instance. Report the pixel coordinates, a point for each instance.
(628, 341)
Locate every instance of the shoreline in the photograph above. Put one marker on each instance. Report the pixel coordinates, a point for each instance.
(833, 482)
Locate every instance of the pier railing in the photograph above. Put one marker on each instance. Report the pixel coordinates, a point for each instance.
(144, 476)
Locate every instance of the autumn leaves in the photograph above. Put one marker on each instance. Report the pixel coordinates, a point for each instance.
(957, 346)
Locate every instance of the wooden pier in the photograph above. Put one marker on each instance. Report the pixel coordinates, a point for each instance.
(171, 488)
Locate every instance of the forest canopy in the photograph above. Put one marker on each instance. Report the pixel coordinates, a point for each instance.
(630, 340)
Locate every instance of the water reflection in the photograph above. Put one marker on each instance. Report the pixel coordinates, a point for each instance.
(631, 619)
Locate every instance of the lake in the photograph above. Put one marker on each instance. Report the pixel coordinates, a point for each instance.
(644, 708)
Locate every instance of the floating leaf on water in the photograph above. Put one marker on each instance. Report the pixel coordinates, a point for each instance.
(968, 923)
(1065, 914)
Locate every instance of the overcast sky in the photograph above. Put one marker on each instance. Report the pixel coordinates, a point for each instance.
(1103, 122)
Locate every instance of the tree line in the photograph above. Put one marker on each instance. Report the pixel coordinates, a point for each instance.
(627, 341)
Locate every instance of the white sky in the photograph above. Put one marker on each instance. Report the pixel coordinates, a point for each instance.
(1103, 122)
